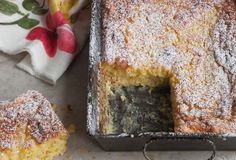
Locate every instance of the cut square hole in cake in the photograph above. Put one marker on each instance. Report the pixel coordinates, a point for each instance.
(134, 101)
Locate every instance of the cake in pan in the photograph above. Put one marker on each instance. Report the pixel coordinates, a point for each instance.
(187, 45)
(30, 130)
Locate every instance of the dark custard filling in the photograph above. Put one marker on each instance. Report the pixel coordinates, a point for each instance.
(138, 109)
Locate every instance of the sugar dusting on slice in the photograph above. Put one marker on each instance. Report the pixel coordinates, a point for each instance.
(28, 115)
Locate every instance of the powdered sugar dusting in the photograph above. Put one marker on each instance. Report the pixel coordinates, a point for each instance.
(224, 40)
(138, 34)
(193, 39)
(28, 115)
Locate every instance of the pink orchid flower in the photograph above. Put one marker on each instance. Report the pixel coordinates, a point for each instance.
(58, 35)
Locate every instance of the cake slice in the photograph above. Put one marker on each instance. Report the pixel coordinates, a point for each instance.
(30, 129)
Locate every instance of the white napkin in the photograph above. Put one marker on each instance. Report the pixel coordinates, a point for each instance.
(52, 28)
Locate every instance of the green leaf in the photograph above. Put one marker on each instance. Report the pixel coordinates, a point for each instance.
(27, 23)
(8, 8)
(30, 4)
(39, 11)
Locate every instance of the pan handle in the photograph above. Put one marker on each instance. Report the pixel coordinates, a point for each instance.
(212, 157)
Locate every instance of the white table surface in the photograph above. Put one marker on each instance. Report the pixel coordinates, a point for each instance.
(71, 89)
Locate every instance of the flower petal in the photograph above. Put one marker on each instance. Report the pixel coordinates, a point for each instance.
(66, 40)
(62, 5)
(55, 20)
(48, 39)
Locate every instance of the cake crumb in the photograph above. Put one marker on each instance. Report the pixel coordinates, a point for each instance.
(71, 128)
(123, 98)
(54, 106)
(69, 108)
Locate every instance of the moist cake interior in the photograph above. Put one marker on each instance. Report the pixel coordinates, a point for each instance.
(137, 109)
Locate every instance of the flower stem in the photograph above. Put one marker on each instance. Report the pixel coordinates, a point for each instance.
(8, 23)
(42, 4)
(21, 13)
(14, 22)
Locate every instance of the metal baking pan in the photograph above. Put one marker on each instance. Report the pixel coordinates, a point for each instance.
(135, 142)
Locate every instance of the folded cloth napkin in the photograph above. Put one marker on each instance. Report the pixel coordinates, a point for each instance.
(51, 31)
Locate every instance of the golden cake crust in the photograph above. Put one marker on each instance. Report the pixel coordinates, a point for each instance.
(193, 41)
(27, 120)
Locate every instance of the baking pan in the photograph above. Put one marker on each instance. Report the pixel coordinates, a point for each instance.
(163, 141)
